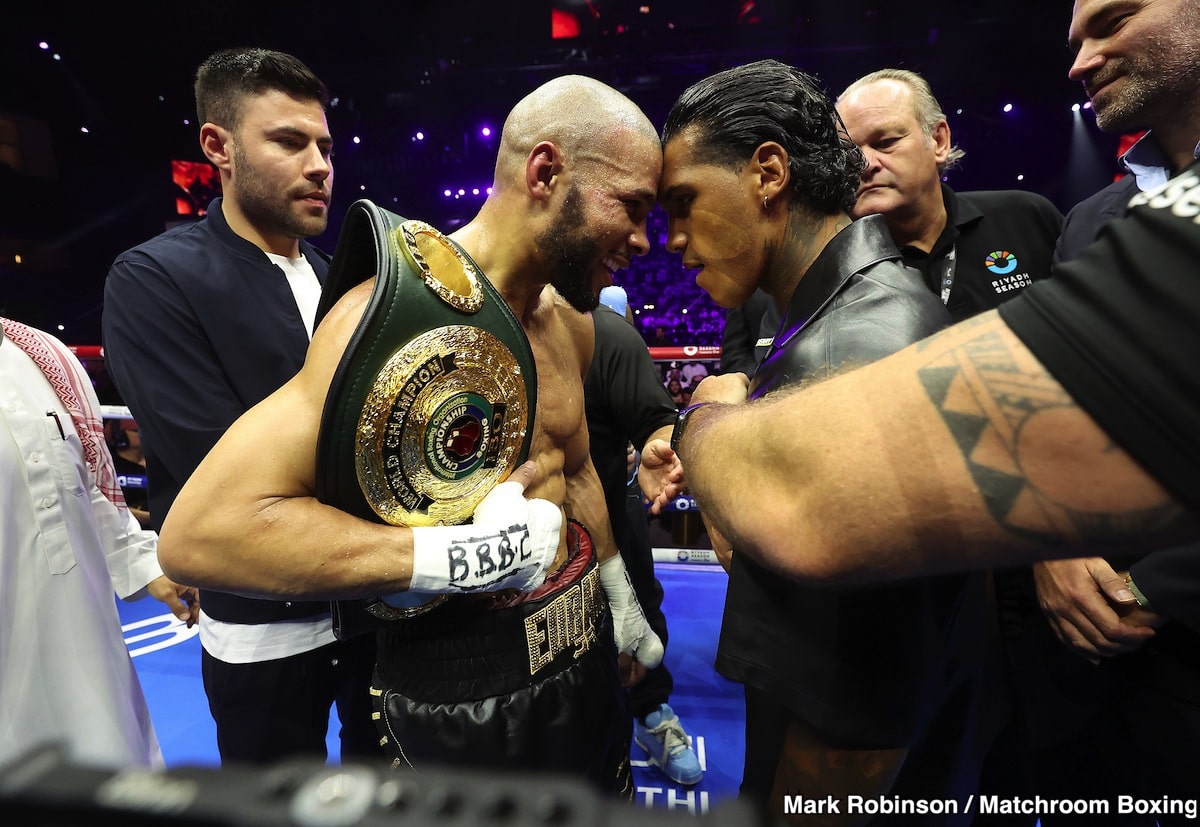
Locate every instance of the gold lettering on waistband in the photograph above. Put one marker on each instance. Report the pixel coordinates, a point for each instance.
(568, 621)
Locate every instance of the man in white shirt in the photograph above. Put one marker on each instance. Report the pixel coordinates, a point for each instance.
(67, 542)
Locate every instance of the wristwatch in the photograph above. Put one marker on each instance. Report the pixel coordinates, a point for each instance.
(681, 419)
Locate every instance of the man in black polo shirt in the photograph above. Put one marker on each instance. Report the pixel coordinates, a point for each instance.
(976, 249)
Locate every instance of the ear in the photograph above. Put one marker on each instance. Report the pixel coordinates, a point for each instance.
(770, 170)
(215, 144)
(542, 167)
(940, 136)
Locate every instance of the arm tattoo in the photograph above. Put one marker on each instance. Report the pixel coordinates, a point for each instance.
(994, 404)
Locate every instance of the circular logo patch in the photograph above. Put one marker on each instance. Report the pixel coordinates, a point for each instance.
(458, 436)
(1000, 262)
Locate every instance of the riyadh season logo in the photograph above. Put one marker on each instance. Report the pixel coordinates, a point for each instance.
(1000, 262)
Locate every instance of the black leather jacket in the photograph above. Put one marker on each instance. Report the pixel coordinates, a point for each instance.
(866, 666)
(857, 303)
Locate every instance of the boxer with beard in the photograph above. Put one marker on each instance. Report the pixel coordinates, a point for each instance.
(576, 176)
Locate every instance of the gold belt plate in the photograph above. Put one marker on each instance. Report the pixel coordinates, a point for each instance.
(442, 424)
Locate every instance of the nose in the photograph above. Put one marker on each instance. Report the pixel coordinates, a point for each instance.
(639, 242)
(872, 165)
(318, 164)
(1087, 61)
(676, 237)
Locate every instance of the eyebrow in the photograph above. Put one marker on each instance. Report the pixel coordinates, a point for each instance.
(645, 195)
(1093, 18)
(294, 132)
(672, 192)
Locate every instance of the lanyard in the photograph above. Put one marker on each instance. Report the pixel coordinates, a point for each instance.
(949, 263)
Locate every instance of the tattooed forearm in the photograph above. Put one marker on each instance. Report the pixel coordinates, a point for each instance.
(1042, 476)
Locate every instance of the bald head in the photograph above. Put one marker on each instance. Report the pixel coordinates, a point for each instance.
(586, 119)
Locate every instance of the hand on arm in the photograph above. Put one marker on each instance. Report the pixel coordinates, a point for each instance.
(727, 388)
(662, 475)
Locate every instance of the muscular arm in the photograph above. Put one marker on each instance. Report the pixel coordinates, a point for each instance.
(247, 521)
(959, 452)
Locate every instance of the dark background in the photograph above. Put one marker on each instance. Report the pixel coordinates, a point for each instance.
(71, 200)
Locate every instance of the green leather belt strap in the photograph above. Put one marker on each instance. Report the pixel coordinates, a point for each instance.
(432, 403)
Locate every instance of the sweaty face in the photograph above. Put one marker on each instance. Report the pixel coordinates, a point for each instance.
(902, 162)
(1139, 62)
(282, 175)
(601, 225)
(715, 221)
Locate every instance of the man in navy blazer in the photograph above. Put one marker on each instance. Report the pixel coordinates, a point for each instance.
(200, 324)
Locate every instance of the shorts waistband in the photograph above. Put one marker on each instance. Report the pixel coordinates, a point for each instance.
(486, 645)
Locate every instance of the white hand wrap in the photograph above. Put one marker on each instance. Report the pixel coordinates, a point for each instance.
(510, 545)
(634, 635)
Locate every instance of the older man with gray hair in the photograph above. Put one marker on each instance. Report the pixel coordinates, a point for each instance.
(976, 249)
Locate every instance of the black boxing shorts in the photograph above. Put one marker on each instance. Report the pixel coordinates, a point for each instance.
(510, 681)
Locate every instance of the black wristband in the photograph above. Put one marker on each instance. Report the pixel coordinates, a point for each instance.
(681, 419)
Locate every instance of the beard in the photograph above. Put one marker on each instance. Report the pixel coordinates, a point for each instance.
(269, 209)
(571, 255)
(1156, 83)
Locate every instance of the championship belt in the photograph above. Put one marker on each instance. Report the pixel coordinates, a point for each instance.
(432, 403)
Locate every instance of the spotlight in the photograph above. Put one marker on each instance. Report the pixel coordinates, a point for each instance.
(1087, 105)
(1008, 107)
(357, 139)
(486, 132)
(1075, 107)
(420, 136)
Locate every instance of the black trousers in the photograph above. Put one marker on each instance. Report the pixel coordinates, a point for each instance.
(278, 709)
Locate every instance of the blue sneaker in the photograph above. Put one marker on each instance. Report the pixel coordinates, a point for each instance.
(667, 745)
